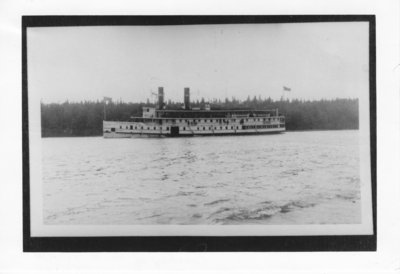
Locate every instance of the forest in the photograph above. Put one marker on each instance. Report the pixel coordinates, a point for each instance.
(85, 118)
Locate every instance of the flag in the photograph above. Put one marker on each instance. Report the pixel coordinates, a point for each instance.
(286, 88)
(107, 100)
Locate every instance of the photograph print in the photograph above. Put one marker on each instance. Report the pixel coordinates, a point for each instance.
(198, 126)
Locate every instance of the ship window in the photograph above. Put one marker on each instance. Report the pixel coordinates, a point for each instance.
(231, 127)
(167, 128)
(180, 120)
(113, 129)
(135, 127)
(184, 128)
(141, 128)
(226, 127)
(210, 128)
(147, 109)
(204, 128)
(237, 127)
(197, 128)
(120, 127)
(221, 127)
(131, 127)
(154, 127)
(211, 120)
(148, 128)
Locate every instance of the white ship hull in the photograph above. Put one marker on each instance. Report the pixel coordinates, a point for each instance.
(113, 129)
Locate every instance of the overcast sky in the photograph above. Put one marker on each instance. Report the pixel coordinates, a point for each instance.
(315, 60)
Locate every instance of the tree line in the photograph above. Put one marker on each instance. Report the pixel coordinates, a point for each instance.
(86, 118)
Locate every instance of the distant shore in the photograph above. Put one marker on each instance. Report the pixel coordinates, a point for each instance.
(86, 118)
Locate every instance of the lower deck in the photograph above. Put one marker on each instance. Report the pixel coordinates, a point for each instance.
(114, 129)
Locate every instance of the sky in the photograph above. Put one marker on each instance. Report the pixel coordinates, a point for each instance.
(315, 60)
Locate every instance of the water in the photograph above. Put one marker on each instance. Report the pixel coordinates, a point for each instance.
(291, 178)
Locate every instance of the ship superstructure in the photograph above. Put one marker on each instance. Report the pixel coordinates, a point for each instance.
(159, 122)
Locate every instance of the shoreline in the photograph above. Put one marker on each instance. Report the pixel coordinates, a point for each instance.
(296, 130)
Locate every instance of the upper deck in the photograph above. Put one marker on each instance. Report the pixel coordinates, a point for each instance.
(151, 112)
(212, 113)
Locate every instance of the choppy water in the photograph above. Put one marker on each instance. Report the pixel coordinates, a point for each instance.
(291, 178)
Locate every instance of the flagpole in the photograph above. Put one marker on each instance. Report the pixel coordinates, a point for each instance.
(104, 111)
(285, 89)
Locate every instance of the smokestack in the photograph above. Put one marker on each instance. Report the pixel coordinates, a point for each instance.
(187, 98)
(161, 98)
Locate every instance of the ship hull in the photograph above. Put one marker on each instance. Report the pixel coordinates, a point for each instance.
(186, 127)
(169, 135)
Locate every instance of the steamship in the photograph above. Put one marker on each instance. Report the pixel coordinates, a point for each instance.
(159, 122)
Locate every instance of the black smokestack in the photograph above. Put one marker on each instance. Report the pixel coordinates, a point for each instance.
(160, 97)
(187, 99)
